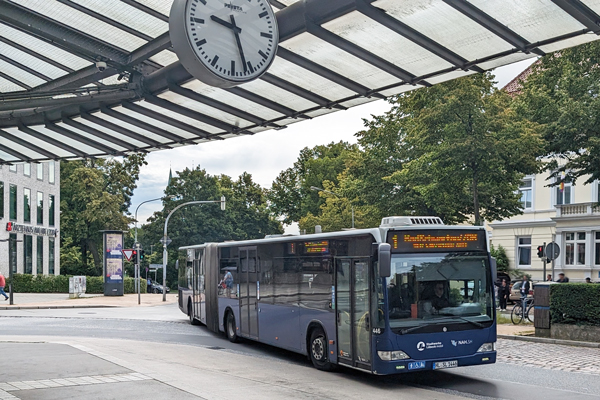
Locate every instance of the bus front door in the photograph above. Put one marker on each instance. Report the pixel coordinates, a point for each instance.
(352, 307)
(249, 292)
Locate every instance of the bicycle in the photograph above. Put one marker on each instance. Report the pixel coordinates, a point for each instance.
(520, 312)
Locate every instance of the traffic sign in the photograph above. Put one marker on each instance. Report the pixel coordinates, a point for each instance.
(128, 253)
(552, 251)
(165, 242)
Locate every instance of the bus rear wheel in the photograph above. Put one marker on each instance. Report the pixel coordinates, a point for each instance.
(230, 328)
(193, 320)
(318, 350)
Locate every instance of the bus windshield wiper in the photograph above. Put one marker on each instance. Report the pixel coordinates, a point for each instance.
(477, 324)
(414, 328)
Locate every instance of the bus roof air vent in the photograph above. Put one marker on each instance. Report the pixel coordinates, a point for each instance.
(389, 222)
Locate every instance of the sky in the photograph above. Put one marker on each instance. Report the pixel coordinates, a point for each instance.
(265, 154)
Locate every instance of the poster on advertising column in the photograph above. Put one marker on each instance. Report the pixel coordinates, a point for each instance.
(113, 263)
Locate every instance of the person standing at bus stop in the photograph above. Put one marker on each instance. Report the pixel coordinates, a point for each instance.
(2, 284)
(525, 286)
(503, 293)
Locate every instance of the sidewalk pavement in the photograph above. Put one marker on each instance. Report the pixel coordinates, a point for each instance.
(23, 301)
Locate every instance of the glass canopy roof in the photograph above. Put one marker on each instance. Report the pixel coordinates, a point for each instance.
(55, 103)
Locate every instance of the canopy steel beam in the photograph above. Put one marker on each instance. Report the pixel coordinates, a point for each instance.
(581, 12)
(16, 154)
(76, 79)
(326, 73)
(288, 112)
(99, 134)
(300, 92)
(123, 131)
(163, 118)
(11, 105)
(53, 142)
(24, 68)
(81, 139)
(147, 10)
(155, 46)
(14, 80)
(35, 54)
(104, 18)
(27, 144)
(192, 95)
(413, 35)
(142, 125)
(195, 115)
(493, 26)
(277, 4)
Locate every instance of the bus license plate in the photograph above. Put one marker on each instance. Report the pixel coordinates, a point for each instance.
(445, 364)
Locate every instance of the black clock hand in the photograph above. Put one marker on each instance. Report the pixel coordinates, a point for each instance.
(239, 42)
(225, 24)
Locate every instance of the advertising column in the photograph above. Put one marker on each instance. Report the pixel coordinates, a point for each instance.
(113, 263)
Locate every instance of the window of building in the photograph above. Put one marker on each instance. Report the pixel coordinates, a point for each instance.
(575, 248)
(40, 255)
(51, 172)
(526, 190)
(12, 168)
(564, 193)
(1, 199)
(28, 252)
(597, 249)
(51, 210)
(40, 171)
(27, 169)
(26, 205)
(51, 255)
(12, 202)
(40, 208)
(524, 251)
(12, 251)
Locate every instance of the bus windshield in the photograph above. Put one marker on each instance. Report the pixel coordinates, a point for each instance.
(432, 289)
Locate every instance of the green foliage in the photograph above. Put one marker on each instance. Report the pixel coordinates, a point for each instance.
(501, 258)
(291, 195)
(95, 196)
(562, 95)
(575, 303)
(464, 151)
(25, 283)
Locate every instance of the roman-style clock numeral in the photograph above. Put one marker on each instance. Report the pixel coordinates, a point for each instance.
(263, 14)
(198, 20)
(232, 67)
(267, 35)
(262, 54)
(214, 61)
(200, 43)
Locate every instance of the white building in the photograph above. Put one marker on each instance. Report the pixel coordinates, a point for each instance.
(30, 210)
(569, 216)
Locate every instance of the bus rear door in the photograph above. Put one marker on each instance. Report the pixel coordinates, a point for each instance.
(352, 307)
(249, 292)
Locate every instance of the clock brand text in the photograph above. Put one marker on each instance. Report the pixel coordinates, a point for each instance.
(233, 7)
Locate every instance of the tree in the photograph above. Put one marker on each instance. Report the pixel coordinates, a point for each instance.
(501, 258)
(95, 195)
(463, 150)
(291, 196)
(562, 94)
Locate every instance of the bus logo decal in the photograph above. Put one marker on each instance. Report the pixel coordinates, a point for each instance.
(421, 346)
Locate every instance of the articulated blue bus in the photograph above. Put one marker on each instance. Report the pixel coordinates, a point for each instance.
(410, 295)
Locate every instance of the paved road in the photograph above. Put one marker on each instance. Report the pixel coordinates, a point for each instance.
(153, 352)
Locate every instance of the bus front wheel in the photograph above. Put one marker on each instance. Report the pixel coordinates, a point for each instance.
(318, 350)
(230, 328)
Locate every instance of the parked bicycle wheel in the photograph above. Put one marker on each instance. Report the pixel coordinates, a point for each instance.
(529, 313)
(516, 316)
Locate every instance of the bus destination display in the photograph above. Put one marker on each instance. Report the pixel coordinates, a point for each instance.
(436, 240)
(320, 247)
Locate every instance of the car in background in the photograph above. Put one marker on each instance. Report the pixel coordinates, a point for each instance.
(515, 291)
(158, 288)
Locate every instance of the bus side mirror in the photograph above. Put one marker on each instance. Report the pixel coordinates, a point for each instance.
(385, 260)
(177, 264)
(494, 269)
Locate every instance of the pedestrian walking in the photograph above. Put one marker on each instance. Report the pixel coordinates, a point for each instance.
(2, 284)
(562, 278)
(503, 293)
(549, 278)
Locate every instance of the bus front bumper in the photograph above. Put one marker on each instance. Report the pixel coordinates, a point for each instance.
(397, 367)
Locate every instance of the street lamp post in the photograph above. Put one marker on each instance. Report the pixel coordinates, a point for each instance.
(165, 239)
(138, 285)
(318, 189)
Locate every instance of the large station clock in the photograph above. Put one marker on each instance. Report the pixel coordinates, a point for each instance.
(224, 43)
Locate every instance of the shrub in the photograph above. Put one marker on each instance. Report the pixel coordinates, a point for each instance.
(25, 283)
(575, 303)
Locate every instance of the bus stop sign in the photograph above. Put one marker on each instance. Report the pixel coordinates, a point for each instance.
(552, 251)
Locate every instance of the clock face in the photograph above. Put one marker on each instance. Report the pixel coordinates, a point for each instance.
(234, 40)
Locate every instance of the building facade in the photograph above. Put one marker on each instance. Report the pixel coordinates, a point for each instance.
(568, 215)
(30, 210)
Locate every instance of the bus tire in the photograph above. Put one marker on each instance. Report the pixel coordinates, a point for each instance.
(230, 328)
(193, 320)
(318, 350)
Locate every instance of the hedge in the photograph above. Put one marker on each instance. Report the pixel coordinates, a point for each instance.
(25, 283)
(575, 303)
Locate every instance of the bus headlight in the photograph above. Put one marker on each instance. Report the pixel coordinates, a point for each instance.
(487, 347)
(392, 355)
